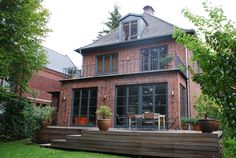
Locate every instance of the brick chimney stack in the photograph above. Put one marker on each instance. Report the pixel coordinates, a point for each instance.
(149, 9)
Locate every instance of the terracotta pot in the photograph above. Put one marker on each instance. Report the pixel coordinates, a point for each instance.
(184, 126)
(217, 125)
(207, 125)
(104, 124)
(196, 127)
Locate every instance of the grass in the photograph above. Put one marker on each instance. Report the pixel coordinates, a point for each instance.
(22, 149)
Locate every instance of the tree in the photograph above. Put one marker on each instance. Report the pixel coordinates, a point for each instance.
(112, 23)
(214, 47)
(22, 28)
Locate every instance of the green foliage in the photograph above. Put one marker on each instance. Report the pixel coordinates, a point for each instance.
(207, 107)
(104, 112)
(194, 121)
(112, 23)
(21, 119)
(214, 48)
(22, 28)
(184, 120)
(229, 149)
(22, 149)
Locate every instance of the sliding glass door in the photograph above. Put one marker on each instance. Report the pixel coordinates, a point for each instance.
(138, 99)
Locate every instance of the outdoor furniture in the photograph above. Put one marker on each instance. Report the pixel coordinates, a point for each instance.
(148, 118)
(132, 119)
(158, 118)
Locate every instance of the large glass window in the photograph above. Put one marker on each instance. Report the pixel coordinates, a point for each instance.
(183, 108)
(138, 99)
(151, 58)
(106, 64)
(130, 30)
(84, 106)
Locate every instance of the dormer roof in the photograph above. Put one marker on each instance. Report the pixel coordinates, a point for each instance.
(155, 27)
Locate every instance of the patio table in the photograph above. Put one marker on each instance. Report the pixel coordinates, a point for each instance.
(157, 117)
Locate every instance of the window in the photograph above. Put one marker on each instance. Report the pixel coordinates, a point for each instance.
(106, 64)
(84, 106)
(151, 58)
(183, 108)
(130, 30)
(138, 99)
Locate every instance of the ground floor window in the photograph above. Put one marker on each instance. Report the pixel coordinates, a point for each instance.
(138, 99)
(84, 106)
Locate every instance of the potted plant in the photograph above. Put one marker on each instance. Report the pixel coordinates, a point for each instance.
(195, 124)
(207, 109)
(104, 117)
(184, 123)
(166, 60)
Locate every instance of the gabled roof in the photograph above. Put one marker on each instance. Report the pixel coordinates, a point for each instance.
(57, 61)
(155, 28)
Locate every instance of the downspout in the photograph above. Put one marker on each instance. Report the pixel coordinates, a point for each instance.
(187, 86)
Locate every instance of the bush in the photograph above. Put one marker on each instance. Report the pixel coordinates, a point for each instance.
(21, 119)
(229, 147)
(104, 112)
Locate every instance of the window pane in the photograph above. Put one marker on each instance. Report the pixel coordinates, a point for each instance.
(154, 59)
(133, 90)
(107, 63)
(144, 59)
(121, 91)
(121, 101)
(114, 62)
(99, 64)
(126, 30)
(183, 107)
(134, 30)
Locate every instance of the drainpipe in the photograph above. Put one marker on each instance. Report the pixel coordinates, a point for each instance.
(187, 85)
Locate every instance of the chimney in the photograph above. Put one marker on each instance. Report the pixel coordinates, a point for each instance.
(149, 9)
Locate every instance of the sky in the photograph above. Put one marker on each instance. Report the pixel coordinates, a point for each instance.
(76, 23)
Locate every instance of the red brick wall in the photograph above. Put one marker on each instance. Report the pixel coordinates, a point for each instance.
(43, 82)
(107, 86)
(131, 53)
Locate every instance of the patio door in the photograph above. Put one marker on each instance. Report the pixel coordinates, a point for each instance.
(138, 99)
(84, 106)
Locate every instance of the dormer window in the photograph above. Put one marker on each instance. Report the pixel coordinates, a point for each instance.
(130, 30)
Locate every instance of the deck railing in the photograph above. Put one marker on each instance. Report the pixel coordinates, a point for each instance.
(128, 66)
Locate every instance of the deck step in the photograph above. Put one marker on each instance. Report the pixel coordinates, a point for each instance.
(59, 140)
(48, 145)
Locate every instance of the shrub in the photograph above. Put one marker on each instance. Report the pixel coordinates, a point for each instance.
(21, 119)
(229, 147)
(207, 107)
(104, 112)
(184, 120)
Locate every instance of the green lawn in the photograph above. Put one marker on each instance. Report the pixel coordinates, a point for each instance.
(20, 149)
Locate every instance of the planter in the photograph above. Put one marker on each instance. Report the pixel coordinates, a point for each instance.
(207, 125)
(104, 124)
(217, 125)
(196, 127)
(184, 126)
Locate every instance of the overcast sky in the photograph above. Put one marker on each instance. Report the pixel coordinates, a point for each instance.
(76, 23)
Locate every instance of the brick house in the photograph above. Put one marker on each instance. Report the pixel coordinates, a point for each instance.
(135, 68)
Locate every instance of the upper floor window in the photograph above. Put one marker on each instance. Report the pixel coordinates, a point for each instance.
(130, 30)
(151, 58)
(106, 64)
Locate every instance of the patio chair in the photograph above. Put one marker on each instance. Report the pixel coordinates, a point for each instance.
(148, 118)
(132, 119)
(120, 120)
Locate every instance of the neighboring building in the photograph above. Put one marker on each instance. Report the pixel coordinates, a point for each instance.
(135, 68)
(47, 80)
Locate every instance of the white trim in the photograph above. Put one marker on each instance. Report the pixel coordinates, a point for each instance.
(37, 99)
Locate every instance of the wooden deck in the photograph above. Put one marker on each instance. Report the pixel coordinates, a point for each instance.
(143, 143)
